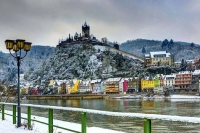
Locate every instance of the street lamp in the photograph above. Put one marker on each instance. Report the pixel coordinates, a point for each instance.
(17, 46)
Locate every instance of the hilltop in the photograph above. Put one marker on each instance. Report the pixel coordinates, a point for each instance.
(180, 50)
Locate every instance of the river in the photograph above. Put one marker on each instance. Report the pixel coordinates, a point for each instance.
(130, 125)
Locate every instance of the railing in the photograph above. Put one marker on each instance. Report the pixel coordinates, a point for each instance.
(147, 117)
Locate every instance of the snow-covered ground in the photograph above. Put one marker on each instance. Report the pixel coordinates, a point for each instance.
(181, 98)
(184, 97)
(6, 126)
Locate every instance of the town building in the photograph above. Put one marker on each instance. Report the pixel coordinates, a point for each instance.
(84, 86)
(97, 86)
(183, 81)
(123, 85)
(161, 78)
(169, 81)
(111, 86)
(157, 85)
(61, 86)
(147, 85)
(195, 81)
(134, 85)
(158, 58)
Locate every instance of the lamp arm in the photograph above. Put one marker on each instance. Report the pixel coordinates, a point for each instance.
(12, 54)
(24, 55)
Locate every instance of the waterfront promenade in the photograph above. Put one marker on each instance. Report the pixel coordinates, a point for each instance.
(6, 126)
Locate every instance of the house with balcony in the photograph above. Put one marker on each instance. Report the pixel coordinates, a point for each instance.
(111, 86)
(183, 81)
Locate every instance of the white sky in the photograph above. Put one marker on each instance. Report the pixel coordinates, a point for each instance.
(45, 22)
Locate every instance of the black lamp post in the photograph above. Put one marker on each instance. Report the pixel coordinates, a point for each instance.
(17, 47)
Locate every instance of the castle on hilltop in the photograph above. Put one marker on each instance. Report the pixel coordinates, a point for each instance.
(85, 37)
(78, 38)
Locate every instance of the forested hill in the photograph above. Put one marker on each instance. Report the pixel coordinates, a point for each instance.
(34, 59)
(181, 50)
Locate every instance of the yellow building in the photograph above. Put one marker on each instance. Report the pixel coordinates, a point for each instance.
(52, 83)
(147, 85)
(158, 58)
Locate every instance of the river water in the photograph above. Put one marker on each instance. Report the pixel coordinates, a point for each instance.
(130, 125)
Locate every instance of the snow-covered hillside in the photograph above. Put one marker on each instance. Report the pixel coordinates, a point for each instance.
(86, 61)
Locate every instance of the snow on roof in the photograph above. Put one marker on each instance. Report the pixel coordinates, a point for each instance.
(172, 75)
(177, 62)
(85, 82)
(127, 79)
(196, 72)
(184, 72)
(112, 79)
(147, 78)
(59, 82)
(190, 61)
(96, 81)
(159, 53)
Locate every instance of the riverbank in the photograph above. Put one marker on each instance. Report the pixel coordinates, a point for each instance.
(149, 97)
(72, 96)
(101, 96)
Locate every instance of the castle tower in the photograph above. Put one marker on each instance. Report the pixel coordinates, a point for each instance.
(86, 30)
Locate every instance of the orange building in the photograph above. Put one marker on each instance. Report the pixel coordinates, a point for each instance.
(183, 81)
(111, 85)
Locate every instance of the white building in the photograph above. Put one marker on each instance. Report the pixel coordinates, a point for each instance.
(97, 87)
(169, 81)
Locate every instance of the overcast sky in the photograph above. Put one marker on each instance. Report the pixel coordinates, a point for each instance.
(44, 22)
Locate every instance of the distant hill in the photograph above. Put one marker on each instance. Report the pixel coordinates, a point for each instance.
(181, 50)
(34, 59)
(88, 61)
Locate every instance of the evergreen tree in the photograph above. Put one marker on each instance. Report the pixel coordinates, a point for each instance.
(171, 41)
(143, 50)
(164, 43)
(192, 44)
(183, 65)
(170, 44)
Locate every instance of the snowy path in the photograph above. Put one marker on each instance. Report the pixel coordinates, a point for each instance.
(6, 126)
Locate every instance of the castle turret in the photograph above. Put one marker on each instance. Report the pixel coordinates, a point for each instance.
(86, 30)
